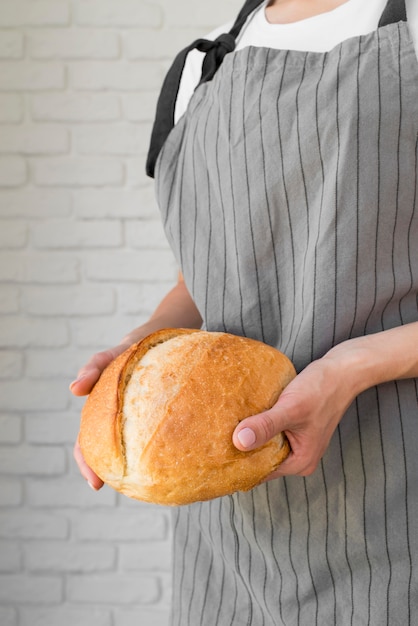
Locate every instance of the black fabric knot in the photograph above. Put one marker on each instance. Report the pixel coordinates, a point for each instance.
(215, 51)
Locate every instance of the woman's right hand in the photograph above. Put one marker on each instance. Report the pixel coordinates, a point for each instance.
(87, 377)
(176, 310)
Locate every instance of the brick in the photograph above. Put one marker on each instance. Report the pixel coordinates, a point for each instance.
(115, 203)
(65, 616)
(116, 588)
(9, 299)
(11, 558)
(73, 44)
(142, 298)
(11, 45)
(22, 589)
(10, 494)
(166, 589)
(31, 76)
(11, 108)
(12, 171)
(13, 234)
(39, 13)
(76, 234)
(33, 140)
(116, 76)
(29, 524)
(65, 492)
(8, 616)
(54, 364)
(75, 108)
(78, 172)
(80, 300)
(118, 526)
(124, 139)
(137, 177)
(68, 557)
(130, 266)
(58, 428)
(35, 203)
(127, 13)
(33, 460)
(200, 15)
(31, 395)
(27, 333)
(38, 268)
(145, 234)
(149, 556)
(100, 334)
(11, 364)
(140, 108)
(10, 428)
(161, 44)
(148, 617)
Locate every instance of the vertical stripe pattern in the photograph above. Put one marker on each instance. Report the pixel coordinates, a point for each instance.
(289, 196)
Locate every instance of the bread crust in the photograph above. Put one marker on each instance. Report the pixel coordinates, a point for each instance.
(188, 455)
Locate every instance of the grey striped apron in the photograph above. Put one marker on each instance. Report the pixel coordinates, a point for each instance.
(289, 196)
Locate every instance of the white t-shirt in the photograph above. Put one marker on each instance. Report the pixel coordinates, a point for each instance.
(320, 33)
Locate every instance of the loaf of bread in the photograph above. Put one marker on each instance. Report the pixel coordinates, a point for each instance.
(158, 424)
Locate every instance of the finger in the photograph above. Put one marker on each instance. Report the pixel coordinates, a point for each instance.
(256, 430)
(93, 480)
(293, 466)
(88, 375)
(85, 381)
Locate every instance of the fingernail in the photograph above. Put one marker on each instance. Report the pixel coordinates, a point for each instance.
(77, 380)
(246, 437)
(91, 486)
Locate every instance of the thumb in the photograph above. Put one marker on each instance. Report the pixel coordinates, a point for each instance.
(257, 430)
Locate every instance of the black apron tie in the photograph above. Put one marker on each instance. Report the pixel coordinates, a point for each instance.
(215, 52)
(215, 55)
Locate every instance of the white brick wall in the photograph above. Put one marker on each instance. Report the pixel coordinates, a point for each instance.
(83, 259)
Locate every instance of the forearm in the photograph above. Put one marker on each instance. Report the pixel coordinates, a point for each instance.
(176, 310)
(378, 358)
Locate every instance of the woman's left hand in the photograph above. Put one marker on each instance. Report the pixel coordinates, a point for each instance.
(310, 408)
(308, 412)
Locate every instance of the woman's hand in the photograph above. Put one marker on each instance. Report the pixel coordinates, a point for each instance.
(308, 412)
(84, 383)
(176, 310)
(312, 405)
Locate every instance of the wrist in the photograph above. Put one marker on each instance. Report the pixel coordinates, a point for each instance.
(356, 363)
(378, 358)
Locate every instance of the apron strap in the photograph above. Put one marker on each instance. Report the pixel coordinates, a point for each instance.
(215, 52)
(394, 12)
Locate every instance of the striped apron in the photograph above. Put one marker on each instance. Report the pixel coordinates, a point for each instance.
(288, 193)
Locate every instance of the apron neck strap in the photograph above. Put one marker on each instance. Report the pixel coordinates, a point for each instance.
(395, 11)
(215, 52)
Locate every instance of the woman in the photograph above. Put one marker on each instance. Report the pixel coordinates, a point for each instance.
(288, 190)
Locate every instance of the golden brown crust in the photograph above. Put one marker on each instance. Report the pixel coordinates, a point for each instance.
(189, 454)
(100, 439)
(100, 436)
